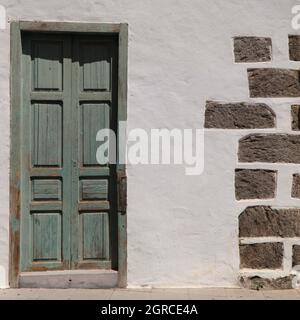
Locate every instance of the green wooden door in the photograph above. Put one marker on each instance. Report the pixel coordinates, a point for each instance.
(68, 200)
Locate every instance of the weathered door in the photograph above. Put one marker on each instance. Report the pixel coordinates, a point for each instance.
(68, 200)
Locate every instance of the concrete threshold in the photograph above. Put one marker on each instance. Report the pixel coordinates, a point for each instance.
(86, 279)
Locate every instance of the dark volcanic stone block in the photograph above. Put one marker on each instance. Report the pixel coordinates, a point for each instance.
(239, 115)
(296, 186)
(261, 255)
(264, 221)
(259, 283)
(252, 49)
(272, 82)
(255, 184)
(294, 48)
(295, 113)
(296, 255)
(269, 148)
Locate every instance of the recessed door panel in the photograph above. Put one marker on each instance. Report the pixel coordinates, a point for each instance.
(46, 236)
(95, 116)
(95, 236)
(96, 66)
(47, 134)
(47, 69)
(46, 189)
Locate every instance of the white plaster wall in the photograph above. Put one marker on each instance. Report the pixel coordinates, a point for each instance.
(182, 230)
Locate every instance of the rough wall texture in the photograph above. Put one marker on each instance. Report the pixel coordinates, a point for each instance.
(270, 148)
(270, 82)
(261, 255)
(252, 49)
(296, 186)
(263, 221)
(255, 184)
(258, 283)
(295, 112)
(259, 223)
(294, 48)
(296, 255)
(174, 68)
(238, 115)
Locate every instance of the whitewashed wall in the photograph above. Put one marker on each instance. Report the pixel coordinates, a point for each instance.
(182, 230)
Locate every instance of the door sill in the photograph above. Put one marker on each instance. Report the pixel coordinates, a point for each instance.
(88, 279)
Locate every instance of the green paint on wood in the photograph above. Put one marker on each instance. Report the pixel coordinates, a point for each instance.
(47, 134)
(46, 236)
(46, 189)
(62, 218)
(94, 118)
(94, 189)
(95, 236)
(53, 235)
(47, 65)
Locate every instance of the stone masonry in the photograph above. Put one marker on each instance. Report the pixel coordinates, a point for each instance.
(271, 82)
(238, 115)
(294, 47)
(295, 113)
(257, 282)
(264, 221)
(270, 148)
(255, 184)
(296, 186)
(296, 255)
(263, 229)
(261, 255)
(252, 49)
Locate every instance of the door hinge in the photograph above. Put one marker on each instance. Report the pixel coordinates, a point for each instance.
(122, 192)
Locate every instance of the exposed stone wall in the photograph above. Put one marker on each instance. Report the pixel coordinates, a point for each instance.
(270, 148)
(294, 47)
(269, 236)
(255, 184)
(295, 113)
(296, 255)
(252, 49)
(239, 115)
(257, 282)
(296, 186)
(271, 82)
(264, 221)
(261, 255)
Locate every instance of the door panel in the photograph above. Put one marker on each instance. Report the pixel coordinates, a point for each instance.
(46, 236)
(46, 189)
(94, 92)
(94, 236)
(93, 189)
(95, 65)
(47, 65)
(47, 134)
(45, 195)
(94, 116)
(68, 200)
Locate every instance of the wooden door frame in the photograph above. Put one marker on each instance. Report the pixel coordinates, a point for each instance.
(16, 27)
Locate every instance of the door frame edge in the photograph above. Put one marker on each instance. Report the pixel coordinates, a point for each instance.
(15, 153)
